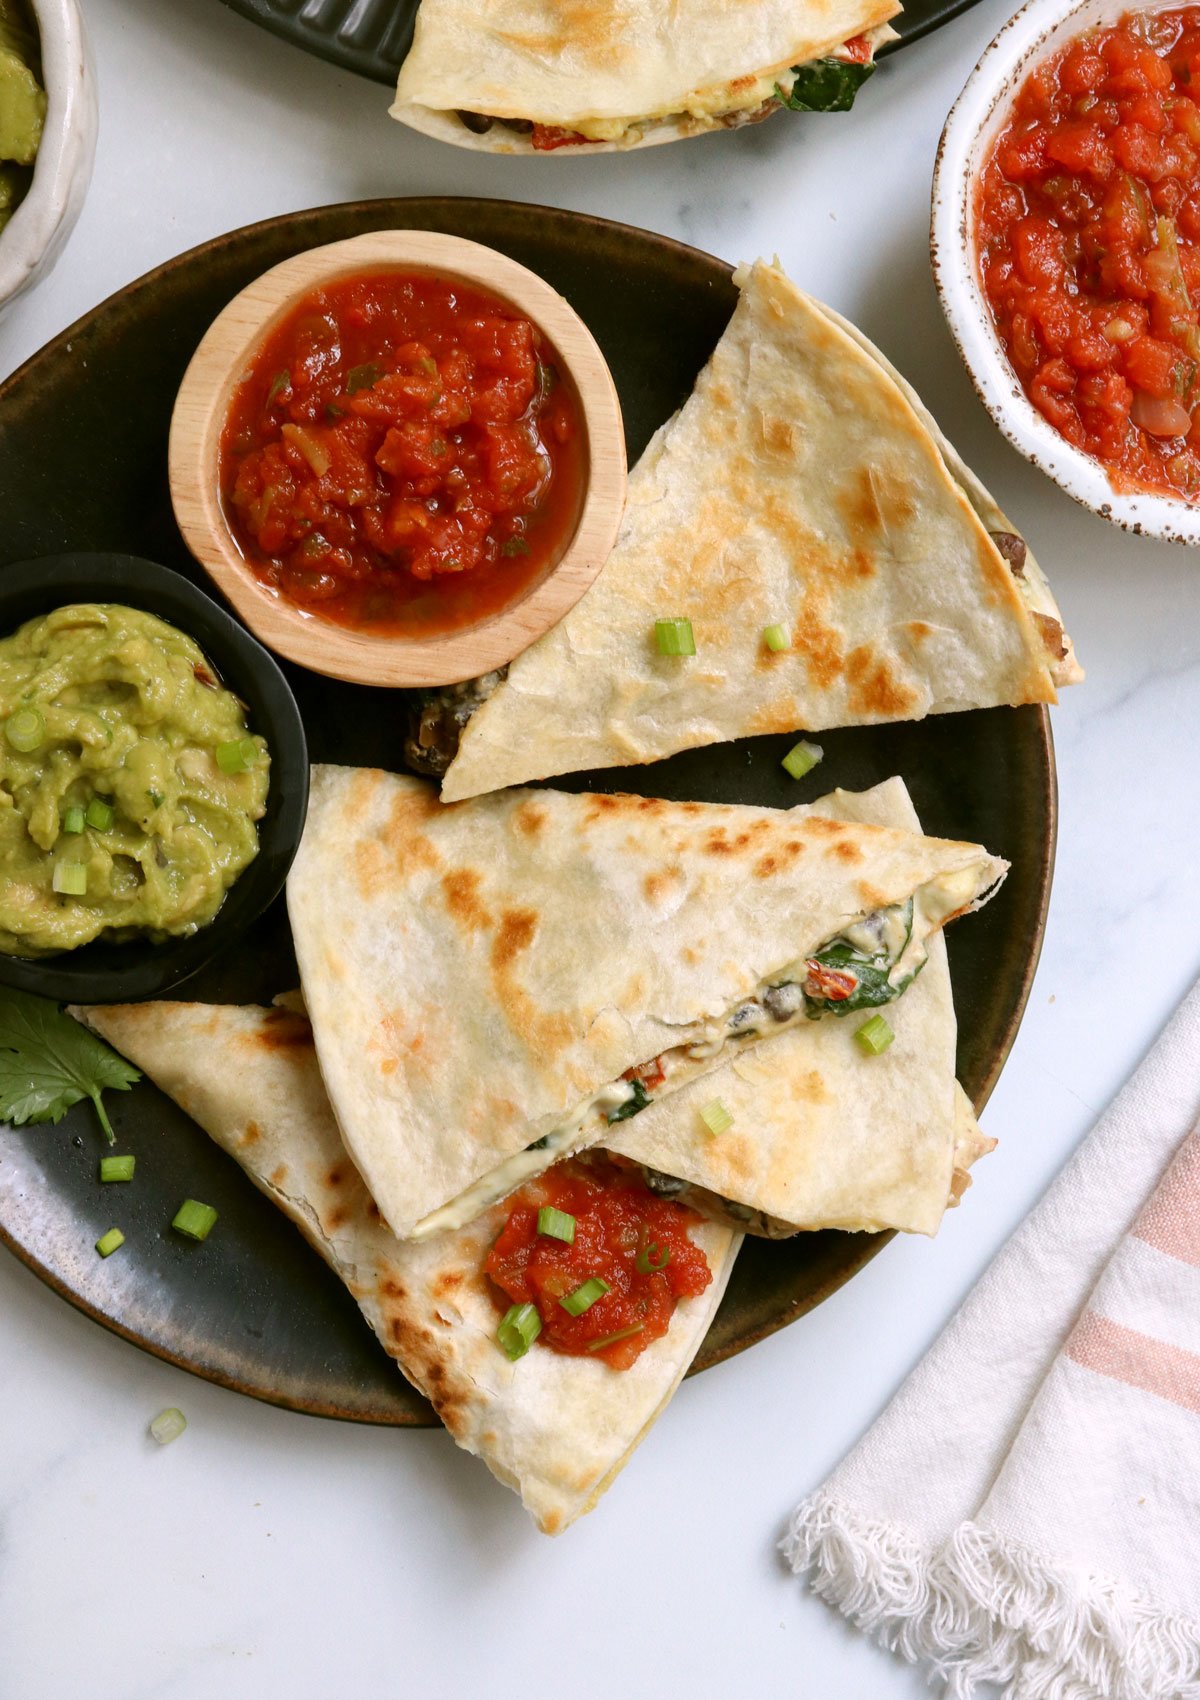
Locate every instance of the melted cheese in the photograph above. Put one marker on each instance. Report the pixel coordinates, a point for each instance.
(506, 1177)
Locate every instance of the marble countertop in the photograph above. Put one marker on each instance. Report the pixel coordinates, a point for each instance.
(272, 1554)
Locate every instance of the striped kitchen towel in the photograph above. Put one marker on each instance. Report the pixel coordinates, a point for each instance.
(1026, 1511)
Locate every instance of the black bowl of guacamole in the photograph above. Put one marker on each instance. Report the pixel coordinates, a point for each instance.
(153, 778)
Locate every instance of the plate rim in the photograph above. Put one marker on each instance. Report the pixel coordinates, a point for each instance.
(872, 1244)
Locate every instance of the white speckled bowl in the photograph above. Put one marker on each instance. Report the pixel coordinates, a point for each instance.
(34, 237)
(978, 115)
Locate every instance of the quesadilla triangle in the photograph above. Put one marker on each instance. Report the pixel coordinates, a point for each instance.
(557, 1429)
(523, 76)
(801, 487)
(822, 1134)
(493, 985)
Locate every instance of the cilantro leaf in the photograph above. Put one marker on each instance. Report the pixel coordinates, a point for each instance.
(825, 85)
(49, 1062)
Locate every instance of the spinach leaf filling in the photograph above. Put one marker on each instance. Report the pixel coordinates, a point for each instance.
(825, 85)
(843, 977)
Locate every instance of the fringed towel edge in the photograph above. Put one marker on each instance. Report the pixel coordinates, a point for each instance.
(983, 1608)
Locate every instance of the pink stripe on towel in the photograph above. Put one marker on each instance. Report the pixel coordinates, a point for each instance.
(1171, 1220)
(1136, 1359)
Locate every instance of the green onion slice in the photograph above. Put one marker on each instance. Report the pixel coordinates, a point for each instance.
(193, 1219)
(611, 1339)
(584, 1297)
(362, 377)
(26, 729)
(73, 819)
(108, 1243)
(168, 1425)
(777, 637)
(716, 1117)
(282, 381)
(652, 1257)
(70, 879)
(802, 758)
(674, 637)
(239, 756)
(556, 1224)
(519, 1328)
(874, 1036)
(100, 814)
(117, 1168)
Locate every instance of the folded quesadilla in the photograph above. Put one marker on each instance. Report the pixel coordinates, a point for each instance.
(823, 1136)
(522, 76)
(801, 486)
(493, 986)
(555, 1428)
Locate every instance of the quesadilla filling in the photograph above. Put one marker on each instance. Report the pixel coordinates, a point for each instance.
(870, 962)
(828, 84)
(592, 1264)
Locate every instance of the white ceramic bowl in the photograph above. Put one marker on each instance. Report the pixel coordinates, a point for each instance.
(33, 238)
(978, 115)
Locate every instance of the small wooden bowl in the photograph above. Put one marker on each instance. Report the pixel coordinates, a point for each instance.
(203, 403)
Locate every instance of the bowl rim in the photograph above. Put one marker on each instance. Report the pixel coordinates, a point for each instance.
(339, 652)
(1039, 27)
(101, 972)
(66, 154)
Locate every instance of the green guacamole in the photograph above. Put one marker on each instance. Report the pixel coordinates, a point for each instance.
(22, 105)
(129, 784)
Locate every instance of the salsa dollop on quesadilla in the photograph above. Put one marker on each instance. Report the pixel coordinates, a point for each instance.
(600, 1258)
(402, 455)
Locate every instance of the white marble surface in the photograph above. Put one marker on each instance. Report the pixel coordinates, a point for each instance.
(267, 1554)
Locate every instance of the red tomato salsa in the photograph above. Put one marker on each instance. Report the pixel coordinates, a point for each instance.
(402, 455)
(1088, 218)
(632, 1240)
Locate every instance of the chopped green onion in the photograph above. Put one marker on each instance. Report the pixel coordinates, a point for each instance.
(362, 377)
(777, 637)
(117, 1168)
(428, 366)
(100, 814)
(652, 1258)
(519, 1328)
(73, 819)
(26, 729)
(802, 758)
(584, 1297)
(168, 1426)
(70, 879)
(716, 1117)
(193, 1219)
(238, 756)
(874, 1036)
(556, 1224)
(283, 381)
(674, 637)
(109, 1242)
(611, 1339)
(514, 546)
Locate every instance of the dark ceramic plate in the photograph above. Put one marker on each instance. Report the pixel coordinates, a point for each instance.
(372, 36)
(254, 1308)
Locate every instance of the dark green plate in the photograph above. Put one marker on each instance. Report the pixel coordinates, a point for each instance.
(372, 36)
(83, 446)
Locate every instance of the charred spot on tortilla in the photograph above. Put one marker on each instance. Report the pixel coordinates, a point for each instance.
(285, 1027)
